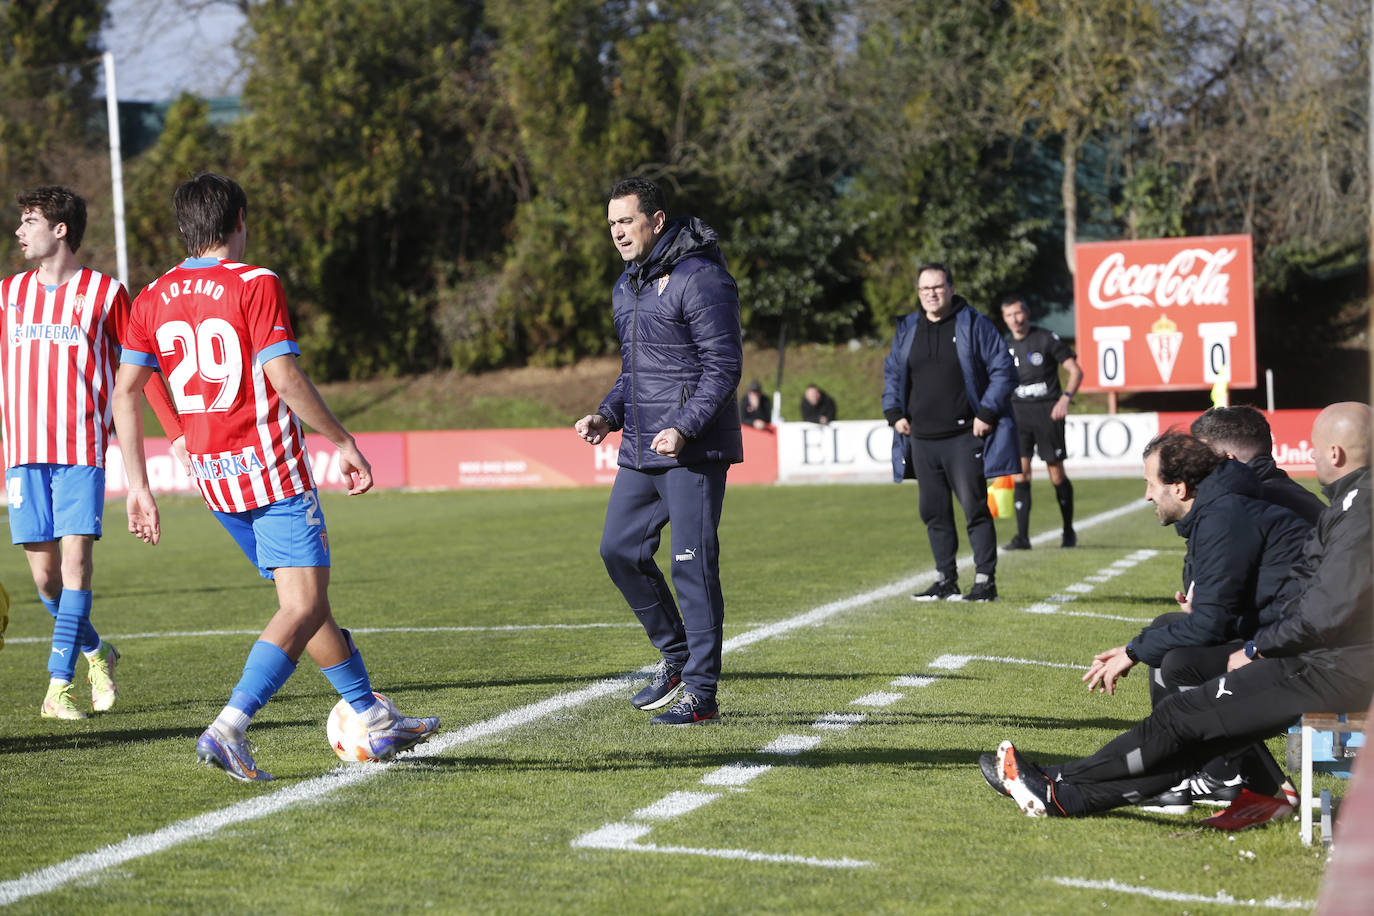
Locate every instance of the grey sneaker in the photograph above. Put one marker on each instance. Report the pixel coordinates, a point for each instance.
(663, 686)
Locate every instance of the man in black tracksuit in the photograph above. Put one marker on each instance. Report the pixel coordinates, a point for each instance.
(1318, 656)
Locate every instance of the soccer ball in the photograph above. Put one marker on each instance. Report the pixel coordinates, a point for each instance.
(347, 734)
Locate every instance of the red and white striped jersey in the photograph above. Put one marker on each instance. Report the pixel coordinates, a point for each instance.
(57, 367)
(210, 325)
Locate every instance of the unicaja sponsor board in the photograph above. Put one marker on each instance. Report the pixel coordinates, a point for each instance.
(1165, 314)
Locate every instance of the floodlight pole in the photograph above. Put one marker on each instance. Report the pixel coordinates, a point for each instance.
(116, 170)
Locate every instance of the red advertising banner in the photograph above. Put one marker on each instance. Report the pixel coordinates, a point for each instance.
(1165, 314)
(1292, 431)
(502, 458)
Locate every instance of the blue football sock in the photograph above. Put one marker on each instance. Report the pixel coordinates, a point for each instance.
(265, 671)
(73, 609)
(88, 639)
(350, 679)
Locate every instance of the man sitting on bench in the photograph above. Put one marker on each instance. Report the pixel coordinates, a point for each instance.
(1317, 657)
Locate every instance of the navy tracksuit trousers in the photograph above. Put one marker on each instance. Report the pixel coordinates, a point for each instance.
(641, 503)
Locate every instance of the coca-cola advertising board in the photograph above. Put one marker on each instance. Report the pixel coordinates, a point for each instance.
(1165, 314)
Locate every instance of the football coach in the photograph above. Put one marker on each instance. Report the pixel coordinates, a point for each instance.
(676, 311)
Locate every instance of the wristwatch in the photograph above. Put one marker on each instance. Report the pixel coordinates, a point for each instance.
(1250, 650)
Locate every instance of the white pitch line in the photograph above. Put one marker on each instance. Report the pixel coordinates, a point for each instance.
(623, 838)
(791, 745)
(1221, 897)
(1098, 616)
(914, 680)
(499, 628)
(955, 662)
(839, 721)
(59, 874)
(735, 774)
(879, 698)
(674, 804)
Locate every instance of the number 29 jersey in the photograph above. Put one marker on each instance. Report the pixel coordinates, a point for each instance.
(210, 325)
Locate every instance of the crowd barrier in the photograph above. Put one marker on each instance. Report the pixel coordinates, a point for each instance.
(846, 451)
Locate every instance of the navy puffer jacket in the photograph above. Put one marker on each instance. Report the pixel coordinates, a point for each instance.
(1241, 553)
(681, 352)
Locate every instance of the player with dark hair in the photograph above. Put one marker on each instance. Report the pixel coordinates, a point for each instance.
(1040, 406)
(219, 331)
(676, 310)
(1243, 433)
(63, 326)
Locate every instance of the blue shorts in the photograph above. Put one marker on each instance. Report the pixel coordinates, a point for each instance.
(289, 532)
(51, 501)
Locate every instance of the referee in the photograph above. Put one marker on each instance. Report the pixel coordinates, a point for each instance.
(1040, 408)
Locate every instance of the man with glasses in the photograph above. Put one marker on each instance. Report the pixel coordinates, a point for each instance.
(947, 385)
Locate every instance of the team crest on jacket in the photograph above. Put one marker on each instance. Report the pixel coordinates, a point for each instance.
(80, 302)
(663, 283)
(1036, 359)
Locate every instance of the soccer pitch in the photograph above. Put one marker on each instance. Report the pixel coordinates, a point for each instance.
(843, 778)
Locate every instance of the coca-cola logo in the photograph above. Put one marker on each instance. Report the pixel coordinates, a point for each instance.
(1193, 276)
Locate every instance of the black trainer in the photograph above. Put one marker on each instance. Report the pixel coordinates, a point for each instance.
(1018, 543)
(664, 685)
(987, 765)
(982, 591)
(1070, 538)
(942, 590)
(1201, 789)
(1177, 800)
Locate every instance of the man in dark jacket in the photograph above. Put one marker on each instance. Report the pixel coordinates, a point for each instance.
(676, 311)
(1240, 554)
(947, 385)
(1317, 656)
(1241, 550)
(816, 405)
(1243, 433)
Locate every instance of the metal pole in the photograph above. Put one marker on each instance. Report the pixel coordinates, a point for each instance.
(116, 170)
(777, 384)
(1269, 388)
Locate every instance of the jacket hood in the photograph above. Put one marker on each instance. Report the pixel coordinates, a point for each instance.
(683, 238)
(1226, 478)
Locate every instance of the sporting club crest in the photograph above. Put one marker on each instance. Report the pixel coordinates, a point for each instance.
(1164, 339)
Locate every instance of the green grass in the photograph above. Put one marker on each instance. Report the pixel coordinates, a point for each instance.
(487, 826)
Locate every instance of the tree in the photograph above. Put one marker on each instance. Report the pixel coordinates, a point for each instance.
(1076, 70)
(366, 152)
(188, 145)
(49, 62)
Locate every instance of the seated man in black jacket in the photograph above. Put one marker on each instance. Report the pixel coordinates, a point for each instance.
(1317, 656)
(1240, 552)
(1243, 433)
